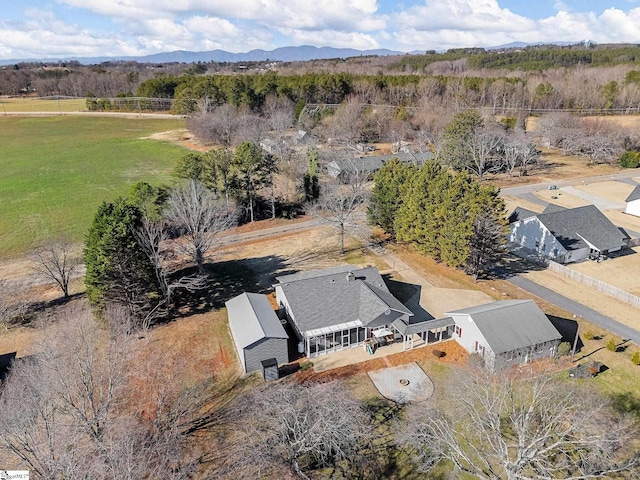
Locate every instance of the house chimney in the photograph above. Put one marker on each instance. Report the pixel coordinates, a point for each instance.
(350, 277)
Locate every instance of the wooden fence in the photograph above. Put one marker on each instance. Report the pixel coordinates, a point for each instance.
(598, 285)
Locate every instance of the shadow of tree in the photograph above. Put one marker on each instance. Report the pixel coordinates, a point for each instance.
(228, 279)
(627, 402)
(511, 265)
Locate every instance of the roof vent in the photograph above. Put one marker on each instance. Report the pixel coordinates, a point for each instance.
(350, 277)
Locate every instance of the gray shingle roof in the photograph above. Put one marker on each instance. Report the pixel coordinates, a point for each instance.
(634, 195)
(510, 324)
(572, 226)
(251, 318)
(324, 298)
(373, 163)
(420, 327)
(520, 214)
(552, 207)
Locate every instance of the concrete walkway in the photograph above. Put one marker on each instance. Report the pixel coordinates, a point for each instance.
(599, 202)
(435, 301)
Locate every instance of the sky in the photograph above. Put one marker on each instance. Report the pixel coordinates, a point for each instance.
(65, 29)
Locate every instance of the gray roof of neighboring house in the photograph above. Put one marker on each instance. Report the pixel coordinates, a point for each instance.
(572, 226)
(552, 207)
(634, 195)
(373, 163)
(251, 318)
(511, 324)
(323, 298)
(520, 214)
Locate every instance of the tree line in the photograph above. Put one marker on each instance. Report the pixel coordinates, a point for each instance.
(449, 217)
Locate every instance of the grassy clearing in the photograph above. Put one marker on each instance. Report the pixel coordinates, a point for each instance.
(56, 171)
(41, 105)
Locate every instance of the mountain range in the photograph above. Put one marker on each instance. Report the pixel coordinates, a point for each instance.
(283, 54)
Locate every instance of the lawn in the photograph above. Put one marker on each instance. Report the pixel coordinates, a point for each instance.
(56, 171)
(42, 105)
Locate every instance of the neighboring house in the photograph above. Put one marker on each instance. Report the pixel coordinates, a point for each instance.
(338, 308)
(257, 332)
(566, 235)
(368, 165)
(270, 146)
(506, 333)
(633, 202)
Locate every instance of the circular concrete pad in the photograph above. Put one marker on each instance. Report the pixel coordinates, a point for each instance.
(391, 383)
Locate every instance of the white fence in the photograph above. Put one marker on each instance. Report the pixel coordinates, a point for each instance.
(594, 283)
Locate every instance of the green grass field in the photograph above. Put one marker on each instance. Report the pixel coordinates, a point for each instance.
(41, 105)
(55, 172)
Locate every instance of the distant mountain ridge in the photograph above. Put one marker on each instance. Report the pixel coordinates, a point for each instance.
(283, 54)
(300, 53)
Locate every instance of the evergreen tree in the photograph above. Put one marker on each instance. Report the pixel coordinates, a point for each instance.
(311, 182)
(191, 166)
(117, 268)
(388, 193)
(251, 170)
(418, 219)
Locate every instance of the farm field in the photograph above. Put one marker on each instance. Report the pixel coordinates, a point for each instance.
(10, 105)
(56, 171)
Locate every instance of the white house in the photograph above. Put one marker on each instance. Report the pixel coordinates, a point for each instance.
(506, 333)
(633, 202)
(566, 235)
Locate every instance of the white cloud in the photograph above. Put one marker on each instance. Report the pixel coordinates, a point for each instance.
(464, 15)
(329, 38)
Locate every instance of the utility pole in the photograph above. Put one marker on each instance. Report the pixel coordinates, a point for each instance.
(575, 340)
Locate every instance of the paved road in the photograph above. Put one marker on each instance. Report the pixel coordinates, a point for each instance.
(624, 176)
(577, 309)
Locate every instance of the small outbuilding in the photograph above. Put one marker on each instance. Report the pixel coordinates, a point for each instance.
(257, 332)
(633, 202)
(505, 333)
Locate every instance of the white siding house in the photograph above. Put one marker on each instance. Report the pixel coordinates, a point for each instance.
(633, 202)
(566, 235)
(505, 333)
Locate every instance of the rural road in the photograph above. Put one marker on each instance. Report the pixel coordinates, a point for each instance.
(625, 177)
(577, 309)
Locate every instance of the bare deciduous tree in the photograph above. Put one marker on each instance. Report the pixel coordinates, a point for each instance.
(201, 217)
(295, 426)
(339, 204)
(14, 304)
(56, 262)
(521, 426)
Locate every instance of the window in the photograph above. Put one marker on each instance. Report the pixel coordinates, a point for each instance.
(476, 345)
(537, 243)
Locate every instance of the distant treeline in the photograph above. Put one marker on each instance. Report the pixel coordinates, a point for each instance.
(575, 89)
(528, 58)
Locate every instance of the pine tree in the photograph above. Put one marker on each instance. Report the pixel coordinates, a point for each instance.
(117, 268)
(388, 193)
(418, 219)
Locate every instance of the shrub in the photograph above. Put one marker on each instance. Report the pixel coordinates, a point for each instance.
(630, 159)
(306, 365)
(563, 349)
(635, 359)
(611, 345)
(588, 335)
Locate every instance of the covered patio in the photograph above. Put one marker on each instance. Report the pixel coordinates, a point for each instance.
(424, 333)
